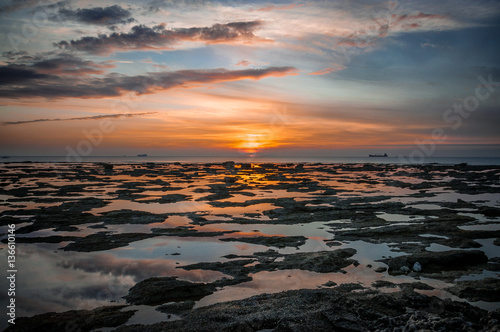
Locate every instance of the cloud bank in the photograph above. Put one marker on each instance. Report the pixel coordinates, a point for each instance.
(30, 81)
(142, 37)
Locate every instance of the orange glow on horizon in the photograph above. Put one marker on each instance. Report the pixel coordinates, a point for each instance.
(253, 143)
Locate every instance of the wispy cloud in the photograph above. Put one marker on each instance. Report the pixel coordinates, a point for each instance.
(396, 23)
(142, 37)
(328, 70)
(272, 7)
(20, 4)
(95, 117)
(419, 16)
(244, 63)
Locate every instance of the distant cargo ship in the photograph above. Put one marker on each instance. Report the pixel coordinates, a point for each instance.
(378, 155)
(142, 155)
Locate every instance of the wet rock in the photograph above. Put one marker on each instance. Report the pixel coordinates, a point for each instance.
(67, 214)
(477, 290)
(437, 261)
(158, 290)
(66, 228)
(233, 256)
(383, 283)
(349, 287)
(182, 231)
(97, 226)
(234, 268)
(229, 165)
(106, 166)
(219, 192)
(170, 198)
(126, 216)
(494, 264)
(329, 284)
(321, 261)
(329, 192)
(357, 209)
(45, 239)
(416, 285)
(104, 241)
(328, 309)
(74, 320)
(333, 243)
(488, 211)
(272, 241)
(176, 307)
(381, 269)
(404, 269)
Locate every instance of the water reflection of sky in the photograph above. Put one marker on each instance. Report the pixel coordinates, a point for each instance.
(73, 280)
(50, 279)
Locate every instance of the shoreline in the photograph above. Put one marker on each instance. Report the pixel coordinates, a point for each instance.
(396, 160)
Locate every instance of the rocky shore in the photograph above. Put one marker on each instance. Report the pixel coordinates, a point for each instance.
(337, 309)
(256, 247)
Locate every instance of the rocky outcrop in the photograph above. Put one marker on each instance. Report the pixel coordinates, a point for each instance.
(271, 241)
(328, 309)
(431, 262)
(477, 290)
(159, 290)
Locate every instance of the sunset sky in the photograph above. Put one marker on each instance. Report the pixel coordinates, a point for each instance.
(194, 77)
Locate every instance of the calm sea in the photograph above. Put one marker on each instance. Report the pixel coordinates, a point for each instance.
(243, 159)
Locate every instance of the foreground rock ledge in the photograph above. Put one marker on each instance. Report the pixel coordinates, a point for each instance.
(332, 310)
(73, 320)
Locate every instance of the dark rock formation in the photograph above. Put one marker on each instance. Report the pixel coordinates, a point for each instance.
(158, 290)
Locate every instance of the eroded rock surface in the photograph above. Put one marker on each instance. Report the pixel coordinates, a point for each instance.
(332, 310)
(477, 290)
(74, 320)
(158, 290)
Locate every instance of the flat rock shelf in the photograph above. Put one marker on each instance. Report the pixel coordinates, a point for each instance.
(253, 247)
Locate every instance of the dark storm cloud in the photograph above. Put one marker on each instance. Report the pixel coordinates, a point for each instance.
(16, 75)
(142, 37)
(97, 15)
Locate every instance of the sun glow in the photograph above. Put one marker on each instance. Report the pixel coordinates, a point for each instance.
(253, 143)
